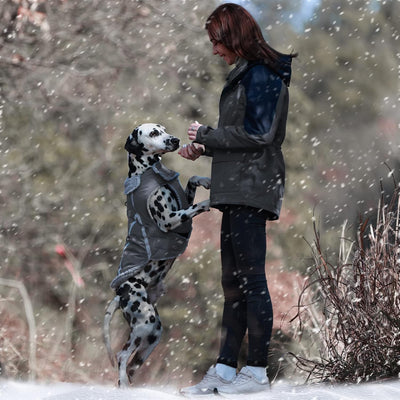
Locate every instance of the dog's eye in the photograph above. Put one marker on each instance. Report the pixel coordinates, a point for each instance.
(154, 133)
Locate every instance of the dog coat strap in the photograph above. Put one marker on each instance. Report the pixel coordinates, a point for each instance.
(131, 184)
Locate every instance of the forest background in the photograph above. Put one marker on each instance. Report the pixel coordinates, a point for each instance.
(76, 77)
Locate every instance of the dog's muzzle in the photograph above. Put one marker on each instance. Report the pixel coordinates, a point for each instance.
(173, 143)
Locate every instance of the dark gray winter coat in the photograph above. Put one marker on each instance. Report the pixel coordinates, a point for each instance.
(145, 240)
(248, 166)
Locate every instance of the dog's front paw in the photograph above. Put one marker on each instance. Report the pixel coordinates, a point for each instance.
(200, 181)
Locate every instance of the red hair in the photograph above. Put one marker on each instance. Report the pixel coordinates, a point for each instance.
(234, 27)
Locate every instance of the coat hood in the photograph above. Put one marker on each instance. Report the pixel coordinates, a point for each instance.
(284, 69)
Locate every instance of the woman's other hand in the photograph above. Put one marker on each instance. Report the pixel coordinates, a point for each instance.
(191, 151)
(192, 131)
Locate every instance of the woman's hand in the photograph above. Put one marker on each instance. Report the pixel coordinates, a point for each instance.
(191, 151)
(192, 131)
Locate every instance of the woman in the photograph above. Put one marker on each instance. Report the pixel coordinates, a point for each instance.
(247, 183)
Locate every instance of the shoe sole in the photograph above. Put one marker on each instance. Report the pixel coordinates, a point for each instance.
(191, 395)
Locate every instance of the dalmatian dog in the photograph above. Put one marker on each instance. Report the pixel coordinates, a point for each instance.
(160, 213)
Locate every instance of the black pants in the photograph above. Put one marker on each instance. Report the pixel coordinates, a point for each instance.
(247, 304)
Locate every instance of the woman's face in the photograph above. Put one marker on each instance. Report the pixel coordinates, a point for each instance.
(220, 49)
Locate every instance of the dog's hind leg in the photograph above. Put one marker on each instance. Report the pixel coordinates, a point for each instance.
(128, 303)
(123, 357)
(148, 343)
(145, 328)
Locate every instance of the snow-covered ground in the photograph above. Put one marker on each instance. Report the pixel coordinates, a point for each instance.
(10, 390)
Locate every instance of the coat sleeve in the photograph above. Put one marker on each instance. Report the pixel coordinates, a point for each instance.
(266, 102)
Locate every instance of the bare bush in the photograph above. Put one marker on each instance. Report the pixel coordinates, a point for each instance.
(355, 306)
(31, 322)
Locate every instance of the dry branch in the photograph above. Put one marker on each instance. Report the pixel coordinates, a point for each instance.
(358, 303)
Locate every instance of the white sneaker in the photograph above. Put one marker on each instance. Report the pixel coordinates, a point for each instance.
(245, 382)
(207, 385)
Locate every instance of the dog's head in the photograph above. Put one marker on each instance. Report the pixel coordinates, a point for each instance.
(150, 139)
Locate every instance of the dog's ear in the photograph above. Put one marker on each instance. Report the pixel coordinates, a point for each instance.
(132, 145)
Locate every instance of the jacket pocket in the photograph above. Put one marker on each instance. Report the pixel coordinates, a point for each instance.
(225, 173)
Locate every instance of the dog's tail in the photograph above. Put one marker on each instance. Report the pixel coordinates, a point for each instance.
(111, 308)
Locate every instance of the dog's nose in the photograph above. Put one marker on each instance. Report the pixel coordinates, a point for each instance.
(175, 141)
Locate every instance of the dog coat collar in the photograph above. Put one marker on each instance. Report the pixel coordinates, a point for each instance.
(133, 182)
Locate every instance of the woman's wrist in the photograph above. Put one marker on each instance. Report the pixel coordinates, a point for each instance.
(198, 147)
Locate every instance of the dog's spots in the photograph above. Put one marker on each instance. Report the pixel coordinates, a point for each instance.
(138, 362)
(153, 211)
(147, 268)
(138, 340)
(123, 293)
(152, 319)
(161, 265)
(151, 339)
(127, 316)
(159, 206)
(154, 133)
(123, 290)
(135, 306)
(126, 346)
(154, 159)
(123, 302)
(143, 282)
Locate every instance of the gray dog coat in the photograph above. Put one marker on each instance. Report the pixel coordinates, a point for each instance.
(145, 241)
